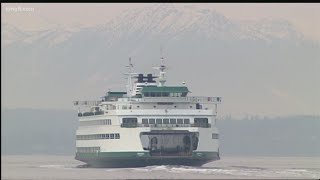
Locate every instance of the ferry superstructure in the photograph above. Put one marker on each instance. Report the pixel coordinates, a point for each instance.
(149, 124)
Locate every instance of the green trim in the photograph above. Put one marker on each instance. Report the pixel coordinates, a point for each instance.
(137, 154)
(116, 94)
(168, 89)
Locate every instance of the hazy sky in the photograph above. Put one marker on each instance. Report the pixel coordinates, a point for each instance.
(306, 17)
(37, 16)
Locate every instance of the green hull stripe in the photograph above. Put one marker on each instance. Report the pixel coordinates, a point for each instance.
(200, 154)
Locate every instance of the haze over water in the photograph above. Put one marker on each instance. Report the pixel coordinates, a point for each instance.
(65, 167)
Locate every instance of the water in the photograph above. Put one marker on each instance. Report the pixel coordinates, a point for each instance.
(65, 167)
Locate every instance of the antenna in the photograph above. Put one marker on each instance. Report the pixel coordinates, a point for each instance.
(129, 85)
(130, 66)
(161, 56)
(162, 67)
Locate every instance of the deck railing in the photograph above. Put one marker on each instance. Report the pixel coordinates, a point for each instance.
(134, 125)
(190, 99)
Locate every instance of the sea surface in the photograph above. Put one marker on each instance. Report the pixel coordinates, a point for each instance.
(47, 167)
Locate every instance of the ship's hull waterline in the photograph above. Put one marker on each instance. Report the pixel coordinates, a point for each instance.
(138, 159)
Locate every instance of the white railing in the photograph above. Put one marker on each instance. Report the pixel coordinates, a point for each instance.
(190, 99)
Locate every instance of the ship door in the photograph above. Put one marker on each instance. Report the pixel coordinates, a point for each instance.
(154, 143)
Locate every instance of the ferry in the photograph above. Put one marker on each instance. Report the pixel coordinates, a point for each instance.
(148, 124)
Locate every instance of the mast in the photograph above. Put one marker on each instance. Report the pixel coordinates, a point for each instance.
(129, 85)
(162, 69)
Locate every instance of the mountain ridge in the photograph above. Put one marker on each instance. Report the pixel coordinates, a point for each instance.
(168, 20)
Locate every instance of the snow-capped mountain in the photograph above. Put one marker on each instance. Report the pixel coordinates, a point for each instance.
(165, 21)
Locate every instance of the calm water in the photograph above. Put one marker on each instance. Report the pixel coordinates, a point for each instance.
(65, 167)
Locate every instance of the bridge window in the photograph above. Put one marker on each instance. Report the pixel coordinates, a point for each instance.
(117, 135)
(165, 121)
(180, 121)
(144, 121)
(186, 121)
(129, 120)
(201, 122)
(159, 121)
(173, 121)
(151, 121)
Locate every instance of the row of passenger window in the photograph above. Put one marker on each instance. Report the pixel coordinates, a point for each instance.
(98, 136)
(88, 149)
(95, 122)
(166, 121)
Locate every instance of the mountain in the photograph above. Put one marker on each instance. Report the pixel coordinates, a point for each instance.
(170, 22)
(34, 131)
(259, 67)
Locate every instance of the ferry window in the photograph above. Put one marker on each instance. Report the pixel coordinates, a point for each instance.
(175, 106)
(117, 136)
(103, 136)
(152, 121)
(154, 106)
(129, 120)
(186, 121)
(159, 121)
(107, 136)
(144, 121)
(138, 106)
(124, 107)
(190, 106)
(111, 136)
(165, 121)
(173, 121)
(201, 120)
(215, 136)
(180, 121)
(152, 94)
(165, 94)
